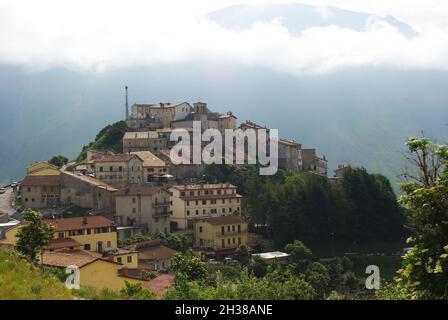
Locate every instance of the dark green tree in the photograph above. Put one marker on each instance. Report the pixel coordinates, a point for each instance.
(33, 235)
(424, 271)
(58, 161)
(242, 255)
(189, 267)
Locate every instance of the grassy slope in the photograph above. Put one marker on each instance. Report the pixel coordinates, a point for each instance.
(19, 280)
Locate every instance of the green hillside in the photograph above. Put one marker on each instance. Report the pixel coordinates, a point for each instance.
(20, 280)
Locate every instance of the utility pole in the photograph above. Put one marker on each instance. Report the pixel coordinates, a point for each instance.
(126, 103)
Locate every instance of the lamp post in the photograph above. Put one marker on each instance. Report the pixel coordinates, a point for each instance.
(332, 244)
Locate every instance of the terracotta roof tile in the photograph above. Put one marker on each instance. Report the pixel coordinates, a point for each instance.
(66, 258)
(223, 220)
(31, 181)
(145, 191)
(78, 223)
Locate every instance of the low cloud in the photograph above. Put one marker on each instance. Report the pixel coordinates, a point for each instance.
(103, 36)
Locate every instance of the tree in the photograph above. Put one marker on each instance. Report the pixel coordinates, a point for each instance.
(33, 235)
(318, 277)
(136, 292)
(424, 270)
(258, 267)
(189, 267)
(298, 251)
(58, 161)
(242, 255)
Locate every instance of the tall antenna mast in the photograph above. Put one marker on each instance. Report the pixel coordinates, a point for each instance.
(127, 105)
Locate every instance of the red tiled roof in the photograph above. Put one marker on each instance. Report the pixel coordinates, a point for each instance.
(62, 243)
(144, 191)
(160, 284)
(114, 157)
(66, 258)
(31, 181)
(223, 220)
(78, 223)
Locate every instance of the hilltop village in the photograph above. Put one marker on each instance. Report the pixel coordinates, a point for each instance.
(112, 197)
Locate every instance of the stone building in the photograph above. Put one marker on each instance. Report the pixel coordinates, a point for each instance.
(147, 208)
(159, 115)
(194, 201)
(154, 169)
(288, 155)
(40, 191)
(87, 192)
(309, 161)
(119, 170)
(143, 141)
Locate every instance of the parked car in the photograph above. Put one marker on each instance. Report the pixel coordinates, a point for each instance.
(212, 261)
(2, 190)
(230, 261)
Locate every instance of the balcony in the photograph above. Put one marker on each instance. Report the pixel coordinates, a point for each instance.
(231, 233)
(161, 214)
(161, 204)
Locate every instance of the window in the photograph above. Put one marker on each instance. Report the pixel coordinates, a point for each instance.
(188, 212)
(89, 231)
(197, 212)
(213, 201)
(228, 228)
(228, 240)
(233, 240)
(87, 247)
(109, 244)
(29, 189)
(203, 211)
(133, 200)
(119, 260)
(239, 228)
(61, 235)
(200, 229)
(223, 243)
(134, 210)
(101, 169)
(129, 259)
(182, 193)
(233, 228)
(239, 240)
(204, 202)
(222, 230)
(26, 199)
(188, 203)
(223, 210)
(120, 168)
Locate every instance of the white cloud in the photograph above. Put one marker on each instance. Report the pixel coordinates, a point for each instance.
(100, 35)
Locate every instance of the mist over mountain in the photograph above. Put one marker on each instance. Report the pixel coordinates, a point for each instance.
(296, 18)
(359, 116)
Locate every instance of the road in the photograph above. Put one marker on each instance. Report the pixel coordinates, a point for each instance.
(6, 202)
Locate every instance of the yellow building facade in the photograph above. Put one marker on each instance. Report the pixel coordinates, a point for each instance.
(221, 233)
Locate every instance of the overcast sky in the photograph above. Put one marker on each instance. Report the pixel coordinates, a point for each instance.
(96, 36)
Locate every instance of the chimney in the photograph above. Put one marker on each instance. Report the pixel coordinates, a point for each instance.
(84, 220)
